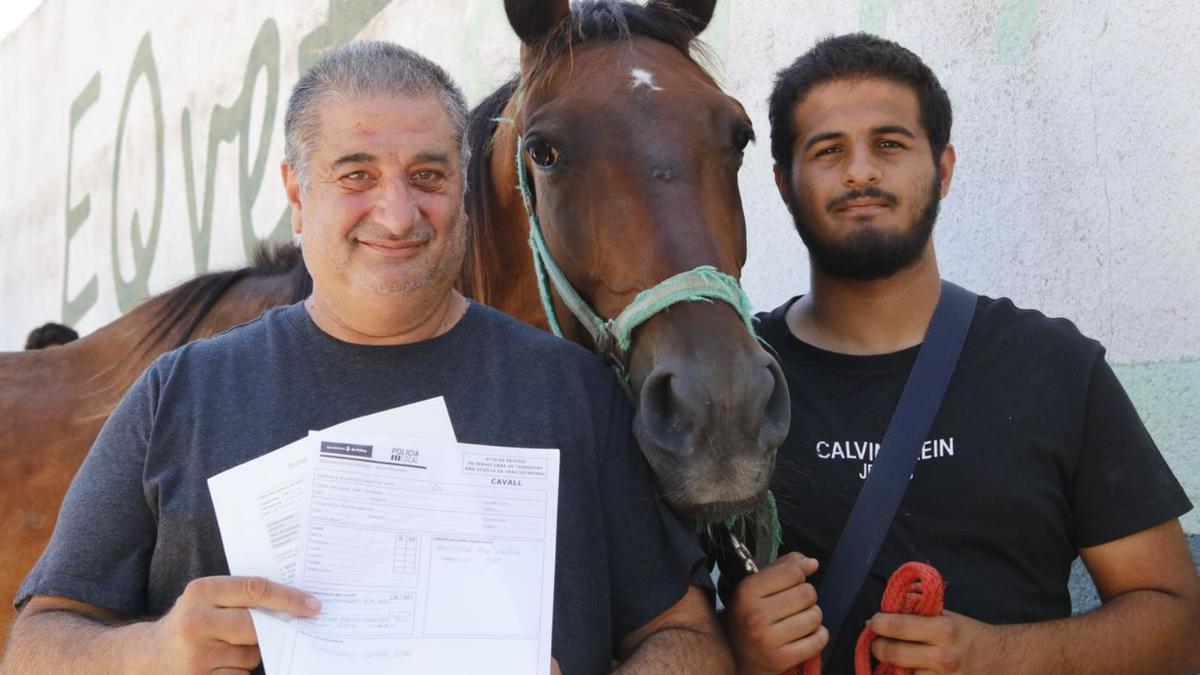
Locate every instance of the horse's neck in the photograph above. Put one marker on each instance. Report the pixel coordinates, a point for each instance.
(246, 300)
(503, 258)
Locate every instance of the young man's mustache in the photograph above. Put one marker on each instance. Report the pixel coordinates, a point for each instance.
(872, 192)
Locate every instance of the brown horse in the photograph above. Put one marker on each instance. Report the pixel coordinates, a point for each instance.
(634, 152)
(54, 401)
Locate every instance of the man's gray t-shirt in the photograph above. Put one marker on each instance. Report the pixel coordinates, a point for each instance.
(137, 524)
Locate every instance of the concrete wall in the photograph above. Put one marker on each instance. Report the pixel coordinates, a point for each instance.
(141, 147)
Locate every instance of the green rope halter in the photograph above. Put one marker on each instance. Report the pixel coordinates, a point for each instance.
(614, 337)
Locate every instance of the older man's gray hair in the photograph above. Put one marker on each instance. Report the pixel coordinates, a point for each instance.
(363, 69)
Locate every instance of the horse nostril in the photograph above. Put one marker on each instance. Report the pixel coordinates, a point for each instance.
(778, 414)
(662, 419)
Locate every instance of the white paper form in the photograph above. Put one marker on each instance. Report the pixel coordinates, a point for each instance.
(428, 557)
(258, 507)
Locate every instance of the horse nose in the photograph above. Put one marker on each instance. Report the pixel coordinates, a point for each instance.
(734, 410)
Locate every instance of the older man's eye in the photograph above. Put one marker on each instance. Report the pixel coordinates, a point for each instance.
(428, 177)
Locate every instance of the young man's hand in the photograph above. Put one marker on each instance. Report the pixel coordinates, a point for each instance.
(951, 643)
(773, 620)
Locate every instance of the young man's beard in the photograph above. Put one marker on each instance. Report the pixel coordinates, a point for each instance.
(867, 254)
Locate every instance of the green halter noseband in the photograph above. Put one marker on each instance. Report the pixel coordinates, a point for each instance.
(614, 337)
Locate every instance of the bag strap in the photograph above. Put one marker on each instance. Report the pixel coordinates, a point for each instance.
(880, 496)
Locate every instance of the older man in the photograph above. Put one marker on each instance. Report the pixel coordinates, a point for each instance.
(1036, 454)
(374, 173)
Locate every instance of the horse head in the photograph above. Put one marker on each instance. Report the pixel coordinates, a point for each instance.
(632, 153)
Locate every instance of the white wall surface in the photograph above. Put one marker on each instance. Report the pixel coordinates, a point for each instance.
(1075, 122)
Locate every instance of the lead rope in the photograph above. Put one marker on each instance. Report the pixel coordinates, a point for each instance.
(915, 588)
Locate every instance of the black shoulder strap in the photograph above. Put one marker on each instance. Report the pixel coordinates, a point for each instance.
(876, 506)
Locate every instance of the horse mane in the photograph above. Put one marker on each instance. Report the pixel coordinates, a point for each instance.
(607, 20)
(196, 298)
(481, 127)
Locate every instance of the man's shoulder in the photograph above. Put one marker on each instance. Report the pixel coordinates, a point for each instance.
(243, 340)
(532, 345)
(770, 324)
(1000, 319)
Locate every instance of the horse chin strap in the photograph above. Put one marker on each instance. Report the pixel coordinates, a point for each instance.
(614, 337)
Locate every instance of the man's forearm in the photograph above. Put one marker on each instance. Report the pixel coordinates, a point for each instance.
(61, 641)
(680, 650)
(1141, 631)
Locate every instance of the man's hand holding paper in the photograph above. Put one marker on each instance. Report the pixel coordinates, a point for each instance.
(209, 628)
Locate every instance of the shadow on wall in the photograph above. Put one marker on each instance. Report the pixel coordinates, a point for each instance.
(1166, 395)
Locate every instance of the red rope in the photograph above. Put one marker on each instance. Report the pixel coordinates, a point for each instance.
(915, 588)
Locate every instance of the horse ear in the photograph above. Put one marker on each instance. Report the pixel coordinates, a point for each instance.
(695, 14)
(532, 20)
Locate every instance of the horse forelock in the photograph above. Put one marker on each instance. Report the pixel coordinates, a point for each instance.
(612, 20)
(487, 124)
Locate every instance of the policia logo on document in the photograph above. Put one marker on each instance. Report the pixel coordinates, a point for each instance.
(864, 452)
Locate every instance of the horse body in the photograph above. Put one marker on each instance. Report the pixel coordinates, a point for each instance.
(53, 402)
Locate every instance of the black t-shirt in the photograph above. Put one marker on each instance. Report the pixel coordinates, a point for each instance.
(1035, 452)
(138, 523)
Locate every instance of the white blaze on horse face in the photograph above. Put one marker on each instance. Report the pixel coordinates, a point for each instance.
(643, 78)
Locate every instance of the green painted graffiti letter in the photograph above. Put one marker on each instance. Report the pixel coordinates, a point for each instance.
(131, 291)
(74, 308)
(227, 124)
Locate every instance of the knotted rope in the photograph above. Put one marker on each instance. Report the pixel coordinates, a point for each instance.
(915, 588)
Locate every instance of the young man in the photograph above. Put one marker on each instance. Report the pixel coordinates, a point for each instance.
(1036, 454)
(374, 173)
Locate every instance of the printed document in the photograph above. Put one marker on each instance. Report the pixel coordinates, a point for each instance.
(258, 507)
(428, 557)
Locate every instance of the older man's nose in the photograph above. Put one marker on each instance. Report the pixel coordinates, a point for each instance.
(397, 208)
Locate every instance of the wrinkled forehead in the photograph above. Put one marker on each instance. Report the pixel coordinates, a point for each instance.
(383, 123)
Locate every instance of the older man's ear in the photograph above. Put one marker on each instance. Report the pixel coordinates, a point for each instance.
(291, 185)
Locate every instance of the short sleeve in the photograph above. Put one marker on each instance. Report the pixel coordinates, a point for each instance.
(100, 550)
(1122, 485)
(652, 558)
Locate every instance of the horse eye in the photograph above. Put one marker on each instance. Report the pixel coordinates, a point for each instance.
(742, 138)
(542, 153)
